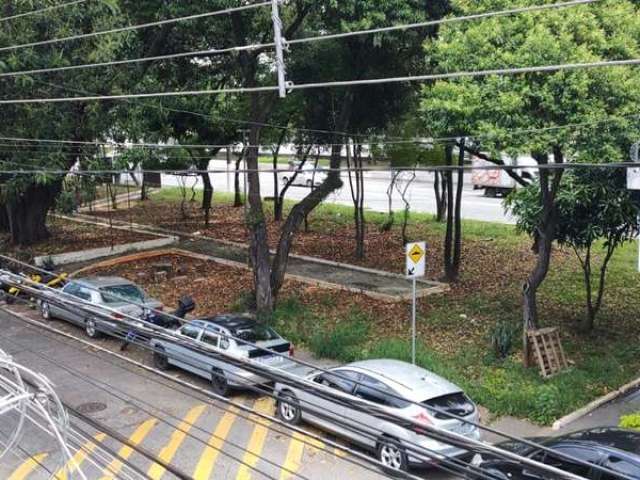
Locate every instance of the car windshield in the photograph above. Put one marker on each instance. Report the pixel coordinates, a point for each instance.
(257, 333)
(120, 293)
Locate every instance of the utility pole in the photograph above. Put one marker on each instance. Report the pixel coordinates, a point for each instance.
(280, 43)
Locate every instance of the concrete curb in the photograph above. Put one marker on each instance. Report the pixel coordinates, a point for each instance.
(233, 264)
(435, 287)
(86, 255)
(586, 410)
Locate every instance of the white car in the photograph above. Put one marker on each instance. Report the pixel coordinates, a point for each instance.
(402, 389)
(306, 175)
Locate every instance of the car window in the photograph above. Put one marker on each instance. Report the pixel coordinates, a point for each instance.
(122, 293)
(377, 392)
(257, 333)
(210, 338)
(190, 331)
(71, 288)
(224, 342)
(622, 466)
(84, 293)
(339, 380)
(588, 455)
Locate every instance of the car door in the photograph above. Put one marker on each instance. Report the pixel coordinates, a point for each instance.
(585, 453)
(206, 361)
(623, 464)
(181, 355)
(71, 313)
(324, 412)
(371, 427)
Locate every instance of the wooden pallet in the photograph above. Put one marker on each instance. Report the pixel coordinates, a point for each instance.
(548, 351)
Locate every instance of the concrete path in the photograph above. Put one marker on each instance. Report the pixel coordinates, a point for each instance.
(607, 415)
(382, 285)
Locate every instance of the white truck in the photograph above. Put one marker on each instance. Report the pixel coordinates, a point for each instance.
(497, 182)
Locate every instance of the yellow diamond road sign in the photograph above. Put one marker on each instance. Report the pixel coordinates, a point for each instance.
(416, 259)
(416, 254)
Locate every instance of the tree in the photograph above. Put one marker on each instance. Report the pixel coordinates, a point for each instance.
(525, 114)
(596, 212)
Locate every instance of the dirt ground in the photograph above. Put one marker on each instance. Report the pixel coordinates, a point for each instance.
(68, 236)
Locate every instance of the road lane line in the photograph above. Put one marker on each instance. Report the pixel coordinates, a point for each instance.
(216, 442)
(80, 456)
(136, 438)
(265, 406)
(28, 467)
(293, 460)
(177, 437)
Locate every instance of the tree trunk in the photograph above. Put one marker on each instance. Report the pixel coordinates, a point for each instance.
(356, 184)
(4, 218)
(298, 213)
(237, 199)
(448, 239)
(207, 197)
(279, 203)
(440, 190)
(259, 240)
(27, 213)
(543, 247)
(277, 206)
(593, 307)
(457, 221)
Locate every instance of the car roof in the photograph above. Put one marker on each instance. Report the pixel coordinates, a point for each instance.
(100, 282)
(609, 438)
(413, 382)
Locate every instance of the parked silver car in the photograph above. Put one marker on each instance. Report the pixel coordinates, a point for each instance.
(216, 332)
(105, 295)
(396, 387)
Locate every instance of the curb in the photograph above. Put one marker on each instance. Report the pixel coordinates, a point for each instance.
(435, 287)
(586, 410)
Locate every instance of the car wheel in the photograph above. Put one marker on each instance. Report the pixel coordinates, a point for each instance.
(45, 311)
(289, 409)
(219, 383)
(309, 183)
(160, 360)
(391, 455)
(285, 180)
(9, 299)
(90, 328)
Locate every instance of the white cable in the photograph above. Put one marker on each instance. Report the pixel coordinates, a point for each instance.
(345, 83)
(42, 10)
(299, 41)
(129, 28)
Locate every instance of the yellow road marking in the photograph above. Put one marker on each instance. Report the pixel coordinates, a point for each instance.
(80, 456)
(212, 450)
(258, 437)
(125, 452)
(177, 437)
(28, 466)
(293, 460)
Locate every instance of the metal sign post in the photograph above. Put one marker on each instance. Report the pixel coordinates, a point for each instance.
(416, 267)
(633, 181)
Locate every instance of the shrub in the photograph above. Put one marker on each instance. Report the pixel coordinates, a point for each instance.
(630, 421)
(344, 342)
(502, 339)
(66, 203)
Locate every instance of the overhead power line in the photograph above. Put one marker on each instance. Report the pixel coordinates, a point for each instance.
(130, 28)
(345, 83)
(300, 41)
(42, 10)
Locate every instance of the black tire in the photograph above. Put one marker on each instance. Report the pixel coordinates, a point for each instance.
(90, 328)
(219, 383)
(392, 456)
(10, 299)
(285, 180)
(289, 408)
(160, 360)
(45, 311)
(309, 183)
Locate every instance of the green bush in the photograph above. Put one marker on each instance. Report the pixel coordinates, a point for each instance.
(631, 421)
(66, 203)
(502, 338)
(345, 341)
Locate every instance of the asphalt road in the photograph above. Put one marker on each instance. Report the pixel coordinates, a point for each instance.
(475, 206)
(202, 437)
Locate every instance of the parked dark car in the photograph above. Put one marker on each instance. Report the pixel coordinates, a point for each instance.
(615, 449)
